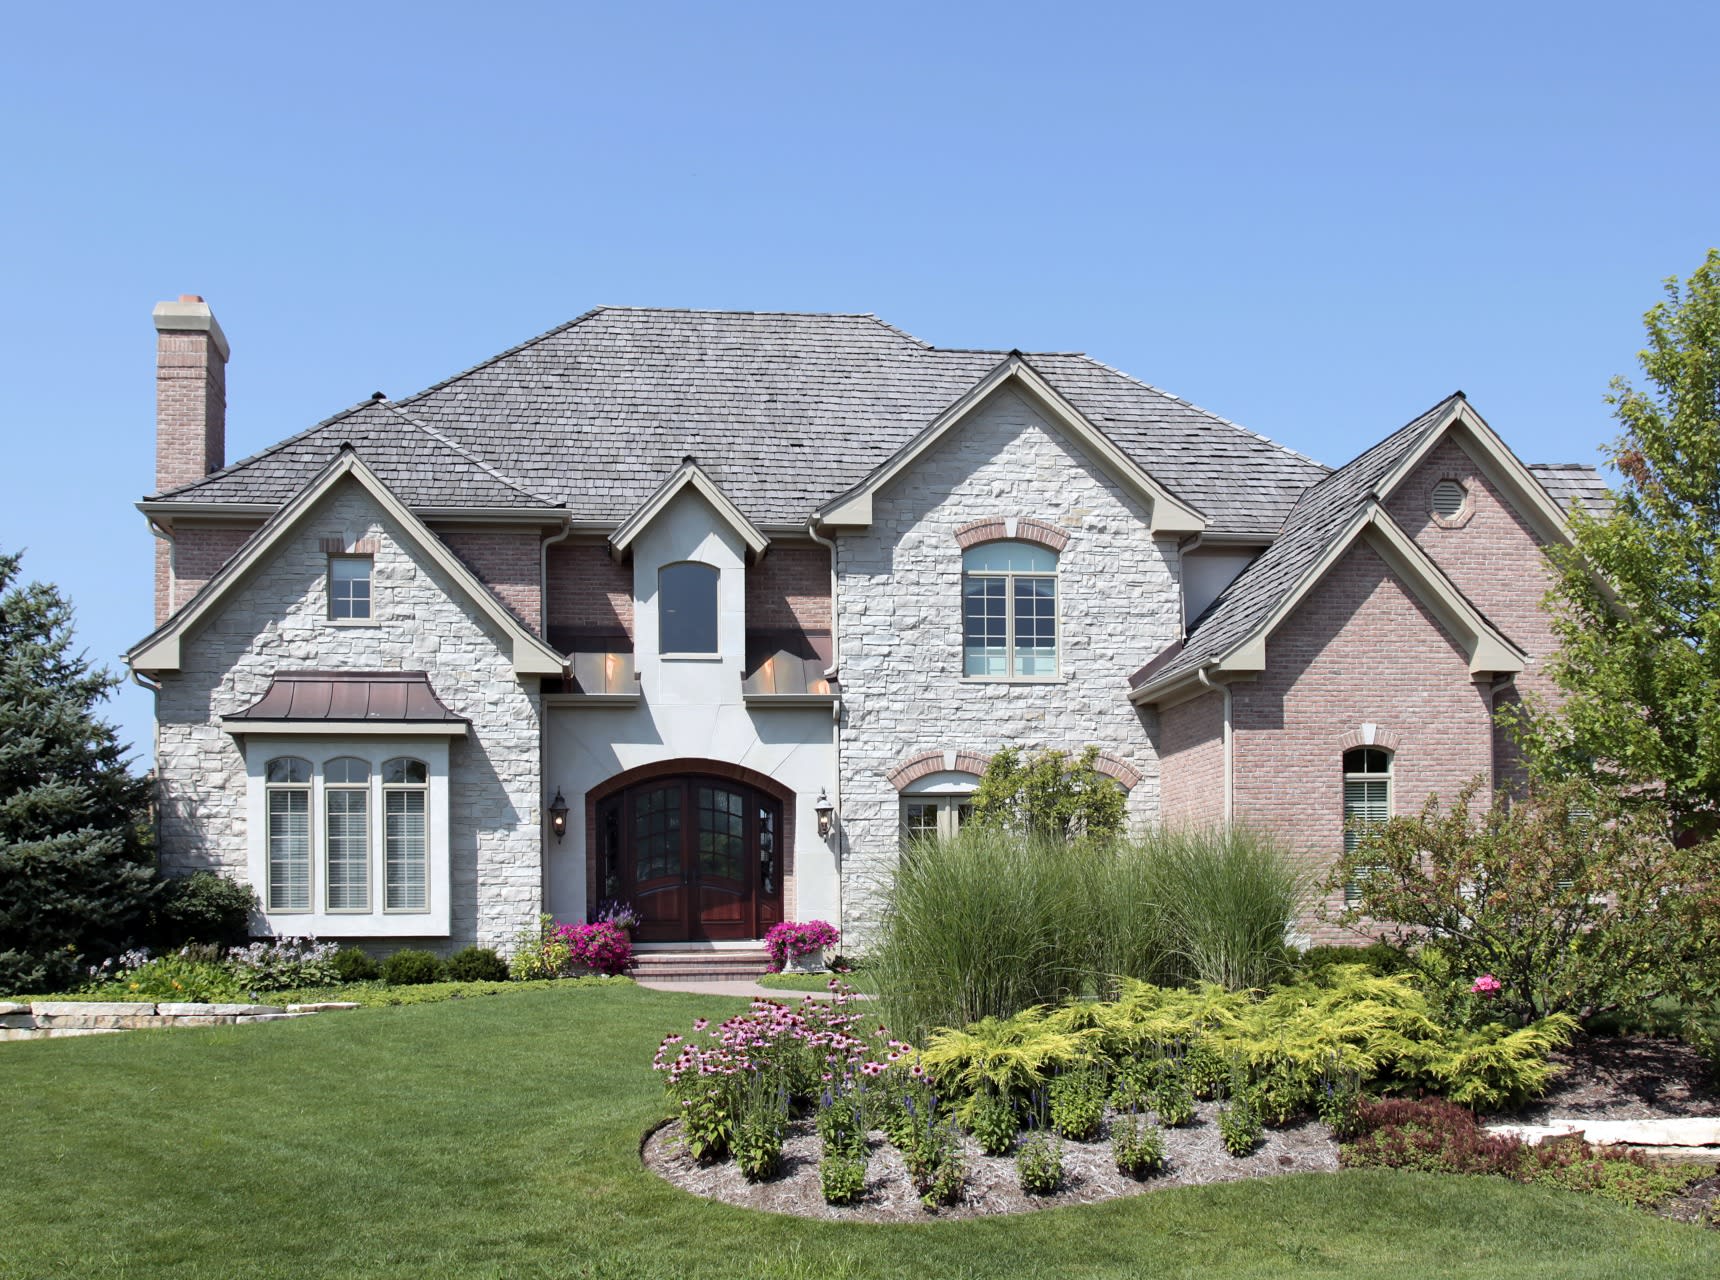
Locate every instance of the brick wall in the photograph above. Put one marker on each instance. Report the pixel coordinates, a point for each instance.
(789, 590)
(508, 562)
(1191, 762)
(198, 554)
(588, 590)
(1360, 649)
(1496, 560)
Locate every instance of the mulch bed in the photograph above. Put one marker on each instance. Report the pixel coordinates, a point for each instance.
(1625, 1078)
(1603, 1077)
(1193, 1154)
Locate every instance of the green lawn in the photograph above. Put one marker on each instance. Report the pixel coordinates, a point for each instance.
(500, 1136)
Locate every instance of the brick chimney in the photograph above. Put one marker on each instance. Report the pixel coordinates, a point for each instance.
(190, 392)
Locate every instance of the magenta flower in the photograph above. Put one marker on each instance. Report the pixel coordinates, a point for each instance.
(1486, 986)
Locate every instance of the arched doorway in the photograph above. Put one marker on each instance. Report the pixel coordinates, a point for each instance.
(699, 856)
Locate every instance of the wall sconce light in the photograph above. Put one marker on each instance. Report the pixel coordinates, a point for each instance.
(825, 811)
(558, 816)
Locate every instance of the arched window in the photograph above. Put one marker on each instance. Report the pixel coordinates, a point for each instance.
(1367, 802)
(406, 835)
(346, 833)
(687, 608)
(287, 782)
(1009, 611)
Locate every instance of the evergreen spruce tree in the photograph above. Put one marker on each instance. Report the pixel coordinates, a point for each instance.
(75, 869)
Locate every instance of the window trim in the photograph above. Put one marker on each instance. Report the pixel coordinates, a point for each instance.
(404, 788)
(1009, 577)
(272, 789)
(1352, 887)
(714, 653)
(326, 858)
(377, 921)
(349, 620)
(949, 790)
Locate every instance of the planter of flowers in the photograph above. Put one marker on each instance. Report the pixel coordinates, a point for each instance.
(799, 947)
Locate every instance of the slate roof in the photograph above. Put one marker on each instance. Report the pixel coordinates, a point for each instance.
(784, 411)
(1568, 482)
(420, 464)
(1322, 514)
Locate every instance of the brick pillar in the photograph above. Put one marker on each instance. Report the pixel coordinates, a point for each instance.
(190, 407)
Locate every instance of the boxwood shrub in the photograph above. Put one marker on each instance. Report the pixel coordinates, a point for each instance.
(411, 968)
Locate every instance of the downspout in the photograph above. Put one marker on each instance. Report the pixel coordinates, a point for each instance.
(161, 531)
(543, 718)
(1223, 691)
(543, 573)
(830, 674)
(143, 681)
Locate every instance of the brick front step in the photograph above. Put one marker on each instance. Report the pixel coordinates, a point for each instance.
(744, 965)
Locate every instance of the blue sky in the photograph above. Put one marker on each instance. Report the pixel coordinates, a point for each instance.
(1315, 220)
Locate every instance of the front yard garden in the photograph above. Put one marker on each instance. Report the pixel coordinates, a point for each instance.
(502, 1137)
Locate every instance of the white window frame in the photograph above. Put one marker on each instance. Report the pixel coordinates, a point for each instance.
(404, 788)
(270, 790)
(367, 789)
(1352, 887)
(949, 792)
(1009, 577)
(369, 614)
(377, 921)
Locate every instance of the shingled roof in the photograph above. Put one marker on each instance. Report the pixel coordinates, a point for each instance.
(783, 410)
(1324, 511)
(1568, 482)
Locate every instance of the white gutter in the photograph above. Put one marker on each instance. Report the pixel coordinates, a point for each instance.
(830, 674)
(1229, 745)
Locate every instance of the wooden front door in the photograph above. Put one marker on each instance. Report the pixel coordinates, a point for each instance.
(696, 856)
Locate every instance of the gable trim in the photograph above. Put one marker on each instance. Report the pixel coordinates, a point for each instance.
(1170, 516)
(689, 473)
(1494, 460)
(160, 650)
(1486, 647)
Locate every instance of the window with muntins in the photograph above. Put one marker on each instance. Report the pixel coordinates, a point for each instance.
(1367, 803)
(346, 833)
(687, 608)
(1009, 611)
(406, 810)
(288, 783)
(349, 587)
(934, 817)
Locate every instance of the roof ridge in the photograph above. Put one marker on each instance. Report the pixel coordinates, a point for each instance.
(1423, 418)
(518, 347)
(274, 448)
(489, 469)
(1216, 417)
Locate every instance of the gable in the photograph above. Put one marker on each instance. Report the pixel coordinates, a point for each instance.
(1168, 516)
(346, 491)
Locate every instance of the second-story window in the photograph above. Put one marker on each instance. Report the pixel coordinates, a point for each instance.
(349, 587)
(687, 609)
(1009, 611)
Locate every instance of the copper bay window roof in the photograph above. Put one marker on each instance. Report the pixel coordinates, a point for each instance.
(334, 701)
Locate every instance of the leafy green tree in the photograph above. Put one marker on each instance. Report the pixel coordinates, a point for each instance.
(1640, 673)
(75, 871)
(1050, 795)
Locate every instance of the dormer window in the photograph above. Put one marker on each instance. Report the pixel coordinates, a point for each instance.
(687, 609)
(349, 588)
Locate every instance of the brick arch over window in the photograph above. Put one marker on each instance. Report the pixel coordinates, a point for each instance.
(1111, 766)
(1017, 529)
(918, 766)
(710, 769)
(1369, 735)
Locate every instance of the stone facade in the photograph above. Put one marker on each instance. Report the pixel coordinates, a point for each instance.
(276, 619)
(900, 613)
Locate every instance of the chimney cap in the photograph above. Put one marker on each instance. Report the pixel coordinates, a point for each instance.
(191, 315)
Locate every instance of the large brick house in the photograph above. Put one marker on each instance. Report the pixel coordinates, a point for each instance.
(706, 610)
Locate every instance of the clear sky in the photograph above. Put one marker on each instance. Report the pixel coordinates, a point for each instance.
(1313, 219)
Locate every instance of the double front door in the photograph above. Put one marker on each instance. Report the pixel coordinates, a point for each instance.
(696, 856)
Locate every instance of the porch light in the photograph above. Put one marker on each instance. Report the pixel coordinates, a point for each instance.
(825, 811)
(558, 816)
